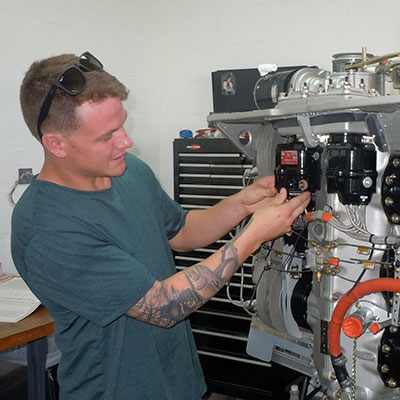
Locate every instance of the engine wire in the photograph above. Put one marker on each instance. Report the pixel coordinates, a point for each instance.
(362, 272)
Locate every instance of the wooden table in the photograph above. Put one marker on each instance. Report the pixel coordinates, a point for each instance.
(33, 331)
(36, 326)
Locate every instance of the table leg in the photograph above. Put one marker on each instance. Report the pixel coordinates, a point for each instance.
(37, 352)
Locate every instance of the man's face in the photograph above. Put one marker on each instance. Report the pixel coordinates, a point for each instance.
(97, 149)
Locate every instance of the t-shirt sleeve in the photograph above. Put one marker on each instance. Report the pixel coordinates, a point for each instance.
(174, 215)
(92, 278)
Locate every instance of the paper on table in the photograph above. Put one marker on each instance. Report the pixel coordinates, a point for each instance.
(16, 300)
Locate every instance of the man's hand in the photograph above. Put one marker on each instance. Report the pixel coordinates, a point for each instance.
(203, 227)
(276, 218)
(258, 194)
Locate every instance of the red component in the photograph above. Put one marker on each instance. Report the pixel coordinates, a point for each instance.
(326, 217)
(352, 327)
(289, 157)
(334, 261)
(375, 328)
(309, 216)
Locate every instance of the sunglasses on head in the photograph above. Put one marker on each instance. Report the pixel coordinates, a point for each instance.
(71, 81)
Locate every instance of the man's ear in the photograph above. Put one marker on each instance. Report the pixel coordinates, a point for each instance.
(55, 143)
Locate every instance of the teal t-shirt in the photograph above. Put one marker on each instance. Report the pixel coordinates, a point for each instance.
(89, 257)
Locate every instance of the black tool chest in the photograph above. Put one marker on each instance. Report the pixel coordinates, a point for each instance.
(206, 171)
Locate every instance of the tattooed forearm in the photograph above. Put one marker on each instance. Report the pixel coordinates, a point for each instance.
(165, 305)
(229, 262)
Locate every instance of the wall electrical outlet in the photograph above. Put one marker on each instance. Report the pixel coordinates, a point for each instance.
(25, 176)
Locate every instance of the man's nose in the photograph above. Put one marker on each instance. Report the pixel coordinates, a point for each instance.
(123, 141)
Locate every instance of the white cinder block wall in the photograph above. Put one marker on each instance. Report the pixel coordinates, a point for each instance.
(164, 51)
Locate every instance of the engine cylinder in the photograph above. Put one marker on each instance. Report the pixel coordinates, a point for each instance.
(388, 355)
(391, 190)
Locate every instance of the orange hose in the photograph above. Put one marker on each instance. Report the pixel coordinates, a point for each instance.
(361, 290)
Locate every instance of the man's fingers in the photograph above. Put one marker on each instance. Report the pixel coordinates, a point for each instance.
(299, 203)
(270, 192)
(266, 181)
(299, 210)
(280, 197)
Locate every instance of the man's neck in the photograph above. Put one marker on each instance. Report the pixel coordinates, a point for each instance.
(66, 179)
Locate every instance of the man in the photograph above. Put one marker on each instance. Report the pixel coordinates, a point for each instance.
(92, 237)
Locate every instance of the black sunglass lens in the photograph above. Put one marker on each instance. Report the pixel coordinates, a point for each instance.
(90, 62)
(72, 81)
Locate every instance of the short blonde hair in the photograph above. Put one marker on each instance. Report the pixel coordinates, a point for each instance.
(62, 117)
